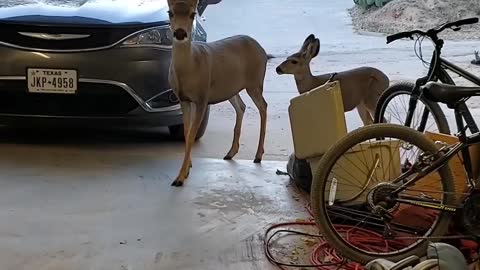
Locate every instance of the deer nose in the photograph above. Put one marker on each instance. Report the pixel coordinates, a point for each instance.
(180, 34)
(279, 70)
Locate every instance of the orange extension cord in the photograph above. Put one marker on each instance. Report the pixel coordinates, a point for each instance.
(362, 238)
(365, 239)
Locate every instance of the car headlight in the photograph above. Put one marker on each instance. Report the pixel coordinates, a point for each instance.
(157, 37)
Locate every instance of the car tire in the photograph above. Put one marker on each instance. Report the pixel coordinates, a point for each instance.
(177, 133)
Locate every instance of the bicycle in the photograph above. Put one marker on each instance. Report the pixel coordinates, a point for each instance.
(390, 197)
(437, 71)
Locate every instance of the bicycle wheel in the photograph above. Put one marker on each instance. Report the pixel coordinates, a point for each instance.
(393, 107)
(366, 170)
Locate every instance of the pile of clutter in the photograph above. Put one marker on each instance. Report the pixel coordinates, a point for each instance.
(317, 122)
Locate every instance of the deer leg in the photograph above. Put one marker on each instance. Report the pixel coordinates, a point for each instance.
(239, 107)
(187, 126)
(257, 97)
(198, 110)
(187, 116)
(364, 115)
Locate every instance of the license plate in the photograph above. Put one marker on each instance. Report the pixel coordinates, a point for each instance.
(56, 81)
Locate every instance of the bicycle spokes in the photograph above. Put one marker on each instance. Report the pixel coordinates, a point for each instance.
(370, 188)
(402, 110)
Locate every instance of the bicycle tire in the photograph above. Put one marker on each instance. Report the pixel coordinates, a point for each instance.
(406, 88)
(318, 200)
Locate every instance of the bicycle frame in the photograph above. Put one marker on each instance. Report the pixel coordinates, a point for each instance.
(462, 146)
(438, 72)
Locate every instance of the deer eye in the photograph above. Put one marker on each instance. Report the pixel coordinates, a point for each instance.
(192, 16)
(170, 14)
(294, 62)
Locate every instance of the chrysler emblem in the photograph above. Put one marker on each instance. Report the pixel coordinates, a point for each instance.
(53, 36)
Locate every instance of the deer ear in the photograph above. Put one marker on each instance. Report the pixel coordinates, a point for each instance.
(313, 48)
(310, 38)
(307, 41)
(316, 47)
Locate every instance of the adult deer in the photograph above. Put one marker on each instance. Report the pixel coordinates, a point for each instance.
(209, 73)
(361, 87)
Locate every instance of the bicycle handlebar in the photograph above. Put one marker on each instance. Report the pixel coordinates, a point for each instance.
(462, 22)
(401, 35)
(432, 33)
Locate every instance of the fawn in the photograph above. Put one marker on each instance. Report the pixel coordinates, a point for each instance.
(361, 87)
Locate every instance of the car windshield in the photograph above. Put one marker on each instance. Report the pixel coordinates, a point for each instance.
(10, 3)
(71, 3)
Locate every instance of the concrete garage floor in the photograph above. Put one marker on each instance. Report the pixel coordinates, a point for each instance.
(74, 208)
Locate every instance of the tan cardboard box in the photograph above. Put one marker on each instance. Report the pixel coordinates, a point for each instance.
(363, 167)
(456, 164)
(317, 120)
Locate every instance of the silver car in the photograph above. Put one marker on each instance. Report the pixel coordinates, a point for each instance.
(89, 63)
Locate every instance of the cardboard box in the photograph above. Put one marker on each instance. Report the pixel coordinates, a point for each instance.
(363, 167)
(317, 120)
(456, 164)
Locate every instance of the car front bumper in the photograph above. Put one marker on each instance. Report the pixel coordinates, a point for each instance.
(170, 118)
(115, 86)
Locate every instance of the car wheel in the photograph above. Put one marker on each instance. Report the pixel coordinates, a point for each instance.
(176, 132)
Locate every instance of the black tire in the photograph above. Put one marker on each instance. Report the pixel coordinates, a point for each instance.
(177, 132)
(329, 160)
(405, 88)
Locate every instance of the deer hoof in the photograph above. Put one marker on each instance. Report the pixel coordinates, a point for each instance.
(177, 183)
(257, 160)
(228, 157)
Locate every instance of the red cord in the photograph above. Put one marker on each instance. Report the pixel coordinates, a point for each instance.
(325, 257)
(361, 238)
(323, 250)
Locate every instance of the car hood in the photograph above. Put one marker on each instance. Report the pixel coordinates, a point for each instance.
(90, 12)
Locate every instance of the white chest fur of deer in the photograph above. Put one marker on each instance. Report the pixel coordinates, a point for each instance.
(361, 87)
(209, 73)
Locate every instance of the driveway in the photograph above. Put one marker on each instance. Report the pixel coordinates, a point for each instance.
(281, 27)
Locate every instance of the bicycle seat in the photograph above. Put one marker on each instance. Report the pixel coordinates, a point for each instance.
(448, 94)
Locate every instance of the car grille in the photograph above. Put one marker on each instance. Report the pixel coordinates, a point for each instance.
(92, 99)
(99, 36)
